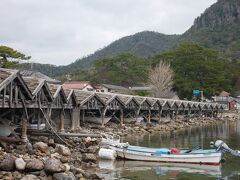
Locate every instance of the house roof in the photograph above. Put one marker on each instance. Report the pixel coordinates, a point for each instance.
(35, 74)
(76, 84)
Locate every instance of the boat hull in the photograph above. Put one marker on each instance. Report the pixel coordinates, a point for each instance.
(207, 159)
(96, 120)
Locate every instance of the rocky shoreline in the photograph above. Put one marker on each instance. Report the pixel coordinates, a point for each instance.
(46, 158)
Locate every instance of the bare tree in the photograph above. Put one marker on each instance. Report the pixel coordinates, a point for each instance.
(161, 80)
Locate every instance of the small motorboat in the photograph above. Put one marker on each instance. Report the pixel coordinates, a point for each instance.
(138, 153)
(193, 156)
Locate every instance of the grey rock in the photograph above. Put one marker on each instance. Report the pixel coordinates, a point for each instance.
(34, 165)
(8, 163)
(53, 165)
(20, 164)
(89, 157)
(30, 177)
(63, 150)
(64, 176)
(41, 146)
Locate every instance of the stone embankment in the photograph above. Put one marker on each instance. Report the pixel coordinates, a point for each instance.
(46, 159)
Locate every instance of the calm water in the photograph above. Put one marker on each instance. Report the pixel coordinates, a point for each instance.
(195, 137)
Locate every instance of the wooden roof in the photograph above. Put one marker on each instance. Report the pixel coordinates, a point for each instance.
(35, 85)
(9, 75)
(126, 99)
(70, 93)
(84, 96)
(57, 90)
(109, 97)
(140, 100)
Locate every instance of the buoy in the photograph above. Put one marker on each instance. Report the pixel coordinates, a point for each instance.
(107, 154)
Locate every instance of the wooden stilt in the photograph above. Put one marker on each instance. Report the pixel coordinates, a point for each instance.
(159, 115)
(62, 120)
(78, 119)
(121, 117)
(149, 116)
(39, 120)
(83, 116)
(24, 129)
(102, 117)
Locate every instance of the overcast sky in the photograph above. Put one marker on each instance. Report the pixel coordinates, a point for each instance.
(60, 31)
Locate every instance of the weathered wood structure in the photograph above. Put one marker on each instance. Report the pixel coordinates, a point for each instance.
(25, 100)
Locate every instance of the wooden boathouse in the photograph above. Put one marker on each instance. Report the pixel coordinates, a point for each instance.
(29, 102)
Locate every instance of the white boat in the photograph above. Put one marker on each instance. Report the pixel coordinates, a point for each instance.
(97, 120)
(200, 156)
(130, 120)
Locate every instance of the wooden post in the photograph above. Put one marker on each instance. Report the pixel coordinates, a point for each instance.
(121, 117)
(102, 117)
(149, 116)
(24, 129)
(159, 115)
(83, 116)
(62, 120)
(78, 118)
(72, 119)
(176, 114)
(39, 120)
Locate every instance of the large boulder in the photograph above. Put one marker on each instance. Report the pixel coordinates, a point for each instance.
(8, 163)
(53, 165)
(64, 176)
(41, 146)
(63, 150)
(20, 164)
(30, 177)
(34, 165)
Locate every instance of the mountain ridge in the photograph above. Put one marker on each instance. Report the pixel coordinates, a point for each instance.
(218, 27)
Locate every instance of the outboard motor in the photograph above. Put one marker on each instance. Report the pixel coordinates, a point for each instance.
(222, 146)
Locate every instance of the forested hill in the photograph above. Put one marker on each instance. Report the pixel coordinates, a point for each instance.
(143, 44)
(218, 27)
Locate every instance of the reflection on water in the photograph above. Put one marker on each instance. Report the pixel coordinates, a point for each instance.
(193, 138)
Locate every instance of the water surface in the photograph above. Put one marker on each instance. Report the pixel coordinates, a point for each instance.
(197, 137)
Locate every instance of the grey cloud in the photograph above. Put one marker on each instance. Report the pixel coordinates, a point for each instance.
(60, 31)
